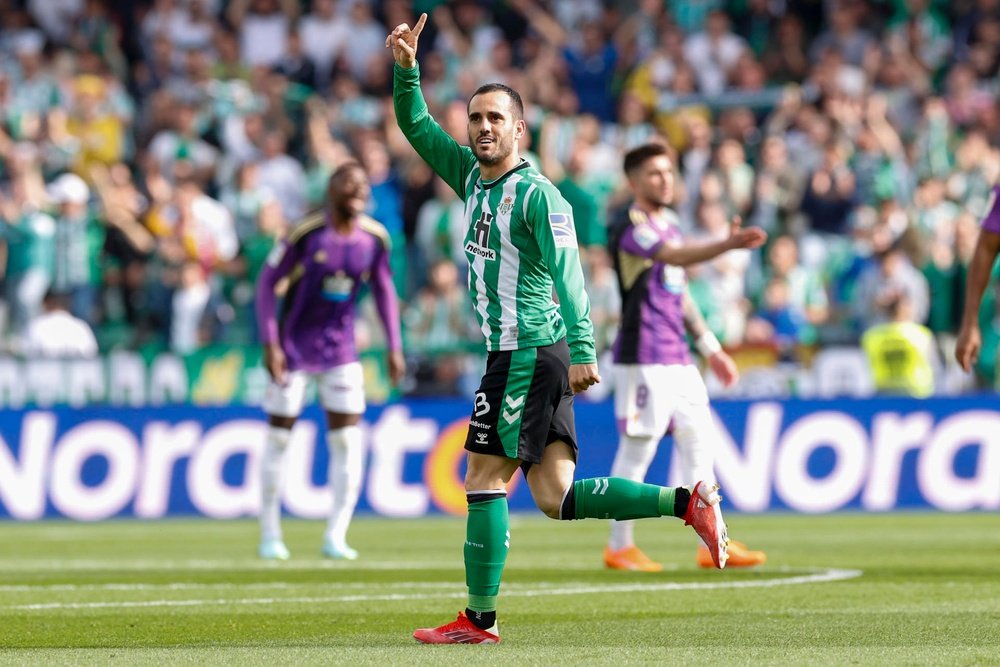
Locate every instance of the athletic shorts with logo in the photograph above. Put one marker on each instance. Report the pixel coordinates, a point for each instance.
(341, 391)
(524, 403)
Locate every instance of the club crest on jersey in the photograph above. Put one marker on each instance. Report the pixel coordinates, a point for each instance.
(320, 256)
(563, 233)
(479, 246)
(506, 206)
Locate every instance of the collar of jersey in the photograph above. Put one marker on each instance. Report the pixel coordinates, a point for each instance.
(486, 186)
(660, 218)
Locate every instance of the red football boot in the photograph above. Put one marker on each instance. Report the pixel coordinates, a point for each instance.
(459, 631)
(705, 516)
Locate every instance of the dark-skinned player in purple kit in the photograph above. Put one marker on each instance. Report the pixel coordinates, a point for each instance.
(322, 267)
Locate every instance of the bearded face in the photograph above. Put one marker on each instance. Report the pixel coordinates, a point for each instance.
(493, 128)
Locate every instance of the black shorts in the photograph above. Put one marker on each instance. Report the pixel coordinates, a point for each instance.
(524, 403)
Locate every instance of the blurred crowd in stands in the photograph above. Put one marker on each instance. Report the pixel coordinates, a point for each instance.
(151, 151)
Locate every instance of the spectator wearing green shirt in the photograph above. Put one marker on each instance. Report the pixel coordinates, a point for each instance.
(246, 199)
(29, 236)
(240, 273)
(807, 300)
(77, 241)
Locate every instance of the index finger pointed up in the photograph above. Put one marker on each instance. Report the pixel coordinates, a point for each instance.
(417, 29)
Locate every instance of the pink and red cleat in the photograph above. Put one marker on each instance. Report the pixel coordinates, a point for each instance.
(705, 516)
(459, 631)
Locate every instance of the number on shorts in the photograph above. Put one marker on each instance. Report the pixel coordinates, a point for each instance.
(641, 396)
(481, 405)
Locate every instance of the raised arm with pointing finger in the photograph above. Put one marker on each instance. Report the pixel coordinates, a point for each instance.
(520, 229)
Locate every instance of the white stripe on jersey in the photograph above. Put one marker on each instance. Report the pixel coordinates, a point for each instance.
(478, 267)
(510, 267)
(524, 206)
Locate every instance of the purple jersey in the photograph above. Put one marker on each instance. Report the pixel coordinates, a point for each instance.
(991, 222)
(652, 323)
(325, 270)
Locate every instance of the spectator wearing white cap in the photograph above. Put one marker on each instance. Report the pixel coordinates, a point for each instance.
(79, 238)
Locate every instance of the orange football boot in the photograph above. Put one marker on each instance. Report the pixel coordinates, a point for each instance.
(739, 556)
(630, 558)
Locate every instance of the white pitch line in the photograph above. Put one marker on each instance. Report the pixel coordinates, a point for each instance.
(822, 576)
(282, 585)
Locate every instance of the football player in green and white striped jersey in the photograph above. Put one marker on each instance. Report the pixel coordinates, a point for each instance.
(521, 244)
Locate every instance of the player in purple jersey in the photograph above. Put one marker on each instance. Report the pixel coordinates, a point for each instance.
(322, 266)
(970, 339)
(657, 384)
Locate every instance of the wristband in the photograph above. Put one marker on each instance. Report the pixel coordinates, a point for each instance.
(708, 345)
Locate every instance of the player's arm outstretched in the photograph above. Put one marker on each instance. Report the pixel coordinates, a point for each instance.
(707, 344)
(450, 160)
(551, 220)
(970, 339)
(280, 262)
(387, 305)
(686, 255)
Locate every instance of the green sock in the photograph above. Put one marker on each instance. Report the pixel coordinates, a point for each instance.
(487, 539)
(621, 499)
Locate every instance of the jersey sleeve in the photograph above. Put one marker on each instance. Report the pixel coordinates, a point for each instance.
(384, 293)
(640, 239)
(280, 262)
(551, 221)
(450, 160)
(991, 223)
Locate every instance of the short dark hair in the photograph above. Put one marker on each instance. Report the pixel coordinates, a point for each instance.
(515, 97)
(345, 167)
(637, 157)
(56, 299)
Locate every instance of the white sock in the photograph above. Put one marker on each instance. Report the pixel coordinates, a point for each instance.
(346, 470)
(270, 482)
(695, 455)
(631, 462)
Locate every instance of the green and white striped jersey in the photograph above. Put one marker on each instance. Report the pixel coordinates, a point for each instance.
(520, 240)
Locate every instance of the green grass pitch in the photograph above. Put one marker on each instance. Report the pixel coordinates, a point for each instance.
(892, 589)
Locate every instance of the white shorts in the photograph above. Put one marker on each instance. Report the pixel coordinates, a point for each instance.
(341, 390)
(649, 396)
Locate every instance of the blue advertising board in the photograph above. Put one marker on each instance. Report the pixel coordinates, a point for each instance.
(803, 456)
